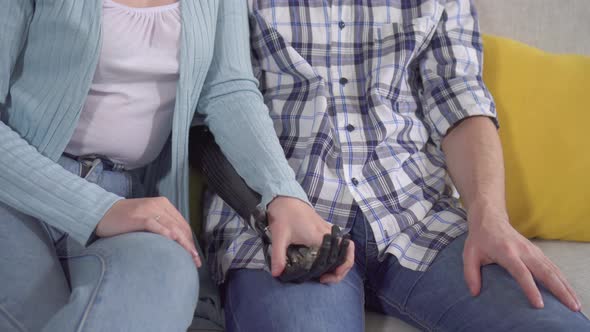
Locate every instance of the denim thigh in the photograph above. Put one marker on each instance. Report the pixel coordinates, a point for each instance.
(439, 300)
(33, 286)
(131, 282)
(256, 301)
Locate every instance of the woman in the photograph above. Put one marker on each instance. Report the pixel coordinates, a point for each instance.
(96, 101)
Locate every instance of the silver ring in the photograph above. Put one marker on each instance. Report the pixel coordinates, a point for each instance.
(157, 218)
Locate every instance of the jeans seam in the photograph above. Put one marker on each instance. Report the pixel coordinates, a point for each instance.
(405, 303)
(444, 314)
(92, 299)
(231, 312)
(422, 324)
(355, 287)
(50, 235)
(11, 319)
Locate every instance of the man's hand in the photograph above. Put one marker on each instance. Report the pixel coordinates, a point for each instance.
(154, 215)
(474, 159)
(492, 239)
(291, 221)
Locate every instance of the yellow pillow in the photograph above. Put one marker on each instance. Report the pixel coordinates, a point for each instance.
(544, 114)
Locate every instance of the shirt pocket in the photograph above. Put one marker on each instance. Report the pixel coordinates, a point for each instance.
(394, 53)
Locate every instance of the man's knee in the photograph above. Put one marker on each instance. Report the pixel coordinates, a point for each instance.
(553, 323)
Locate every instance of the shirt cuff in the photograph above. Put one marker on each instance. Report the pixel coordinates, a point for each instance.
(455, 100)
(86, 234)
(441, 121)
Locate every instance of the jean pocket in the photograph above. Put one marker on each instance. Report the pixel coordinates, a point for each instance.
(118, 183)
(71, 165)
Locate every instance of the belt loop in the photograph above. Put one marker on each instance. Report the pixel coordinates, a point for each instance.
(118, 167)
(88, 166)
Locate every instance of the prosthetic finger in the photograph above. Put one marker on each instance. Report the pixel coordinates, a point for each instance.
(344, 244)
(342, 249)
(334, 249)
(321, 265)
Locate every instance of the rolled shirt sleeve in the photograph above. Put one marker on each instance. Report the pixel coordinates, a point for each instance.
(451, 72)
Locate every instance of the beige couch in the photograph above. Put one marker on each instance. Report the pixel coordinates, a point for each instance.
(555, 26)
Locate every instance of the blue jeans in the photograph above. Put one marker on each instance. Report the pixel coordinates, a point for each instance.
(132, 282)
(435, 300)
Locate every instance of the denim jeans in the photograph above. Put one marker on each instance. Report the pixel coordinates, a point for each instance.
(132, 282)
(435, 300)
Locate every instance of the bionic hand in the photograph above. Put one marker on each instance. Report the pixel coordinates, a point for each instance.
(303, 263)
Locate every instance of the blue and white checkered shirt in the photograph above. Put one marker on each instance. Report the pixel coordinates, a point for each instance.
(361, 94)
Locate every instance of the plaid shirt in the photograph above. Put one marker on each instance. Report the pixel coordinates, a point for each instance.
(361, 94)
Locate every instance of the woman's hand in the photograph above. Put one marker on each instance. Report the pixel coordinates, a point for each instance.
(291, 221)
(155, 215)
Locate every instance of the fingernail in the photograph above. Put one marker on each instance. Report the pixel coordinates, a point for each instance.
(195, 253)
(540, 304)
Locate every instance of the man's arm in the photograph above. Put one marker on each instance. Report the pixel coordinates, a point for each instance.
(474, 160)
(457, 110)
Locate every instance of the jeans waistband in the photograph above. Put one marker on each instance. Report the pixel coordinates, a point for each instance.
(88, 161)
(107, 174)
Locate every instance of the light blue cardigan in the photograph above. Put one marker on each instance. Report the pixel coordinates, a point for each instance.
(48, 54)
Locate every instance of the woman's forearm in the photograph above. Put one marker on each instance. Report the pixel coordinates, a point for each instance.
(30, 182)
(35, 185)
(236, 114)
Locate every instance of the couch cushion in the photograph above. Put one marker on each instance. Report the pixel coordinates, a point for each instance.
(555, 26)
(573, 258)
(543, 114)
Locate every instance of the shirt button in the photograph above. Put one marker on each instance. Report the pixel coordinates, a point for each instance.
(341, 25)
(350, 127)
(343, 80)
(355, 182)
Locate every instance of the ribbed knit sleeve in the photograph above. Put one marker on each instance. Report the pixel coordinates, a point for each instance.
(236, 114)
(30, 182)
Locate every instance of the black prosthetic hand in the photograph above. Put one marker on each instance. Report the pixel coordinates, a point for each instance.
(303, 263)
(306, 263)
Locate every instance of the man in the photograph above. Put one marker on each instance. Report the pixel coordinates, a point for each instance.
(378, 104)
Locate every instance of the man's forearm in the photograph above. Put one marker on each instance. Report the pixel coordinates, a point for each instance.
(474, 160)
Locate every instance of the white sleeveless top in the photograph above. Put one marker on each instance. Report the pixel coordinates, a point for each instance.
(127, 116)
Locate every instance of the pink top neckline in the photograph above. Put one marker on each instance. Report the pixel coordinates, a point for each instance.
(154, 9)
